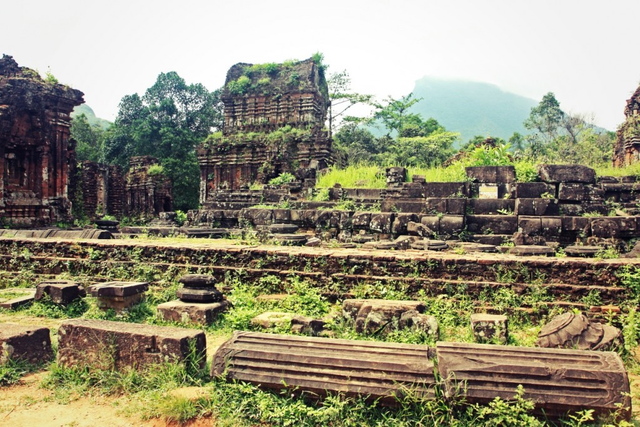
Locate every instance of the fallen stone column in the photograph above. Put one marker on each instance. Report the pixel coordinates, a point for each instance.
(103, 344)
(322, 365)
(557, 380)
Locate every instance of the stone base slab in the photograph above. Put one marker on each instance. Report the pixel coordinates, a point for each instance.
(103, 344)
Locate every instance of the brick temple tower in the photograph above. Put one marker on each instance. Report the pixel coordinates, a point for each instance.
(35, 150)
(275, 118)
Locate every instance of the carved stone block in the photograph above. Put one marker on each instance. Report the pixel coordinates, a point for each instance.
(489, 328)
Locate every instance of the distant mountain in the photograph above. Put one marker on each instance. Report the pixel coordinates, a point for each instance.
(472, 108)
(91, 116)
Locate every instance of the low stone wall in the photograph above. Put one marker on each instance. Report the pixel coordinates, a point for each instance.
(564, 280)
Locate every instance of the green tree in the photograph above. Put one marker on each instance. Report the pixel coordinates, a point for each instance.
(560, 137)
(394, 114)
(342, 99)
(430, 150)
(355, 144)
(89, 139)
(168, 122)
(411, 140)
(545, 118)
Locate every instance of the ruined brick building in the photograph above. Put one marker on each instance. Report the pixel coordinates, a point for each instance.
(100, 189)
(35, 150)
(274, 122)
(627, 148)
(40, 182)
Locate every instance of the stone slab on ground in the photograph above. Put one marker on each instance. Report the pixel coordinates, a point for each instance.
(322, 365)
(557, 380)
(531, 250)
(60, 291)
(118, 289)
(185, 312)
(103, 344)
(585, 251)
(299, 324)
(29, 343)
(376, 315)
(13, 303)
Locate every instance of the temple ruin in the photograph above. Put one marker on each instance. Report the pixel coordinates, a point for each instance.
(35, 148)
(100, 189)
(274, 122)
(627, 148)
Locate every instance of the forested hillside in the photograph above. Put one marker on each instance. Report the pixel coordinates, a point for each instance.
(472, 108)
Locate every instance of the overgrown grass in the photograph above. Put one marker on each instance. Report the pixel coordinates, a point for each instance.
(234, 404)
(358, 176)
(13, 369)
(373, 176)
(631, 170)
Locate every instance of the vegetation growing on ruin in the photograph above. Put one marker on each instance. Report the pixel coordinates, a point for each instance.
(278, 139)
(272, 79)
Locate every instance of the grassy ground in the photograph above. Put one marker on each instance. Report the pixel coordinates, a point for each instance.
(151, 393)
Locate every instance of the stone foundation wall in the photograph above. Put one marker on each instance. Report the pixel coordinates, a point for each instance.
(568, 204)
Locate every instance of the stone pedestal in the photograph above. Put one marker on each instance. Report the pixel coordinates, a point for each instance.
(118, 295)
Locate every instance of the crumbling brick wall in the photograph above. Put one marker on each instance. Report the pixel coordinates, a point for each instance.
(627, 148)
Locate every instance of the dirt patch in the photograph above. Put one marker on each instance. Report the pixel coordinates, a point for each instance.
(26, 404)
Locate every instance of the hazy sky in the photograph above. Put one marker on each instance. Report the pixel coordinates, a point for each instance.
(583, 51)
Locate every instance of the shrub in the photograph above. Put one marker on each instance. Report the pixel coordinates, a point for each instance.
(283, 178)
(155, 170)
